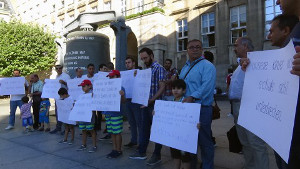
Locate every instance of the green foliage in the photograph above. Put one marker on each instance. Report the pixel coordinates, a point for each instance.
(155, 9)
(25, 47)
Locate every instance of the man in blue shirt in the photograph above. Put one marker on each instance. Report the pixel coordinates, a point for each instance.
(200, 77)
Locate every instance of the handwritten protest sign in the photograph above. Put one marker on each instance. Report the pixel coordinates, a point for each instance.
(106, 96)
(269, 99)
(82, 110)
(101, 75)
(51, 88)
(127, 81)
(175, 125)
(64, 108)
(141, 86)
(12, 85)
(73, 89)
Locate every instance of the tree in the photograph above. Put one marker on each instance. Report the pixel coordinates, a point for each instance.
(25, 47)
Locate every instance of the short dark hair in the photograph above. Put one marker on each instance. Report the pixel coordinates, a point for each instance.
(169, 60)
(194, 40)
(25, 99)
(17, 70)
(178, 83)
(62, 91)
(102, 65)
(209, 56)
(90, 64)
(77, 69)
(131, 58)
(110, 65)
(286, 21)
(147, 50)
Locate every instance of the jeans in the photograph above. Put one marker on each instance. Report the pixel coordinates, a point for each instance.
(13, 107)
(135, 120)
(146, 127)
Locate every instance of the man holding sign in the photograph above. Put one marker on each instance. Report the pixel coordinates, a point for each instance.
(15, 101)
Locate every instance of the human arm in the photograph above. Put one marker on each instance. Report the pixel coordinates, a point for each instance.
(296, 63)
(122, 93)
(244, 62)
(160, 91)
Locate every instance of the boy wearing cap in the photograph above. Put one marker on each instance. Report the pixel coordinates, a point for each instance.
(87, 126)
(114, 122)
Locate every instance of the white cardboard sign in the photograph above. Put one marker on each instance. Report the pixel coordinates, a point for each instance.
(128, 81)
(64, 108)
(50, 89)
(82, 110)
(141, 86)
(12, 85)
(73, 89)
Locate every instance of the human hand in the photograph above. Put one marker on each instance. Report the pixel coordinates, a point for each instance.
(153, 113)
(244, 62)
(122, 93)
(296, 63)
(198, 126)
(151, 101)
(189, 99)
(135, 73)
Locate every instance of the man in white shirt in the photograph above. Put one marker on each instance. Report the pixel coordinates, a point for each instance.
(15, 101)
(91, 72)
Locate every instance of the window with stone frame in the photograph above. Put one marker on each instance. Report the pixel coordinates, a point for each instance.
(271, 10)
(238, 19)
(123, 7)
(182, 35)
(208, 29)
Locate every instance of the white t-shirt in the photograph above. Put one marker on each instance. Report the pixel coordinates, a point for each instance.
(63, 77)
(236, 84)
(18, 96)
(89, 78)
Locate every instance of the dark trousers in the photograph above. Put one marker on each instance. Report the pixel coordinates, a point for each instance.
(36, 111)
(58, 123)
(98, 120)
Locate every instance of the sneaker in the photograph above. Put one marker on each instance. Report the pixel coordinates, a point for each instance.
(30, 129)
(118, 153)
(81, 148)
(105, 137)
(130, 144)
(155, 159)
(9, 127)
(93, 149)
(54, 131)
(112, 154)
(47, 129)
(63, 141)
(138, 156)
(41, 129)
(71, 142)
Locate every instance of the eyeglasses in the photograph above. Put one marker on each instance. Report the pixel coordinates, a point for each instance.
(194, 47)
(58, 68)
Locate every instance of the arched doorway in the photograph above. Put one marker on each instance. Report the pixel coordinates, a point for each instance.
(132, 49)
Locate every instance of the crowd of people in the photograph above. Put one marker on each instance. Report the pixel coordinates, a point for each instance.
(194, 84)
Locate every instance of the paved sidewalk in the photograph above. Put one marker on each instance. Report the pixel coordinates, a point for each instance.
(38, 150)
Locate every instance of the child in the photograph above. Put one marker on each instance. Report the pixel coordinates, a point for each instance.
(87, 126)
(63, 93)
(44, 114)
(114, 122)
(26, 114)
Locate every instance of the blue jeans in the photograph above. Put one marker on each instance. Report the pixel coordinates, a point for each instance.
(204, 140)
(135, 120)
(146, 127)
(13, 108)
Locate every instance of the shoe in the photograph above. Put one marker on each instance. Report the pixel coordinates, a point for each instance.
(111, 154)
(105, 131)
(63, 141)
(47, 129)
(9, 127)
(118, 153)
(41, 129)
(30, 129)
(71, 142)
(155, 159)
(138, 156)
(105, 137)
(130, 144)
(81, 148)
(54, 131)
(93, 149)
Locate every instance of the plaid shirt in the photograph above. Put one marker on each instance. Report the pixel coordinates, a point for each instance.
(158, 75)
(169, 74)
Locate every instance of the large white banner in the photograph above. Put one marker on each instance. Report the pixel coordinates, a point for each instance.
(141, 86)
(73, 89)
(128, 81)
(50, 89)
(101, 75)
(12, 85)
(269, 98)
(82, 110)
(64, 108)
(106, 96)
(175, 125)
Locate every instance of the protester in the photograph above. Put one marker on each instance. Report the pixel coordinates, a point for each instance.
(79, 73)
(133, 112)
(103, 68)
(156, 91)
(15, 101)
(44, 114)
(209, 56)
(36, 88)
(87, 126)
(26, 116)
(200, 78)
(110, 66)
(63, 93)
(91, 72)
(62, 77)
(280, 30)
(254, 149)
(114, 122)
(171, 75)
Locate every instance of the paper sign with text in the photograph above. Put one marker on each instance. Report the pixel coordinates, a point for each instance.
(82, 110)
(141, 86)
(12, 85)
(127, 81)
(64, 108)
(175, 125)
(269, 99)
(106, 96)
(73, 89)
(101, 75)
(50, 89)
